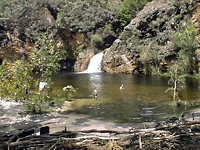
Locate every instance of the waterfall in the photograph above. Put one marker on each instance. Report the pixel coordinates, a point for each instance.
(95, 64)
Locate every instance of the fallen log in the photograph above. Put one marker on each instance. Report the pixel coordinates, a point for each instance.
(173, 135)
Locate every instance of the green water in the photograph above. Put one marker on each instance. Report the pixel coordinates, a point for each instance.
(144, 98)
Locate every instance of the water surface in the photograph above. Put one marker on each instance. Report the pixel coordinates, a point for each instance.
(144, 98)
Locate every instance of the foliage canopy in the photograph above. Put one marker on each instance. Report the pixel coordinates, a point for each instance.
(186, 44)
(129, 10)
(18, 82)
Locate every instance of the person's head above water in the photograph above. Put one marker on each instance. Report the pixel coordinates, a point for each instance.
(121, 87)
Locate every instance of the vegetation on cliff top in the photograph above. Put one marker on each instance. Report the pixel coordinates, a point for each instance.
(129, 10)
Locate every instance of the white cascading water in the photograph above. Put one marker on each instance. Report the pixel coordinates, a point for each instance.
(95, 64)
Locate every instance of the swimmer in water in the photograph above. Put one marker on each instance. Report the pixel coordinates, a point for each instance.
(121, 87)
(95, 93)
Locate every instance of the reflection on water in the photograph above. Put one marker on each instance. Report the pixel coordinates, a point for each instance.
(95, 81)
(143, 99)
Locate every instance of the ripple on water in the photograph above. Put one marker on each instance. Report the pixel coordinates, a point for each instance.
(149, 108)
(143, 98)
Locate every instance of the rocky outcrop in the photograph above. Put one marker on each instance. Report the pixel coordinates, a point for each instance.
(21, 30)
(83, 60)
(147, 40)
(119, 61)
(88, 27)
(71, 22)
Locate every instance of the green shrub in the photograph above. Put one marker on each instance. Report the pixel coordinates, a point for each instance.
(108, 27)
(186, 44)
(16, 79)
(64, 94)
(129, 9)
(96, 39)
(113, 5)
(185, 39)
(176, 81)
(9, 8)
(45, 56)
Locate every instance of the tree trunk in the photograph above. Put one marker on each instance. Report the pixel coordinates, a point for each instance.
(175, 86)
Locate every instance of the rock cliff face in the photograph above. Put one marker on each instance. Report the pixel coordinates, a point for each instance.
(72, 22)
(88, 27)
(149, 36)
(20, 30)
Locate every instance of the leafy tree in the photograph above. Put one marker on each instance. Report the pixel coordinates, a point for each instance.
(22, 78)
(5, 79)
(16, 79)
(46, 55)
(129, 9)
(185, 43)
(96, 39)
(176, 81)
(45, 58)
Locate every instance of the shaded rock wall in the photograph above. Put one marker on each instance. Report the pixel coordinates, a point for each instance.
(21, 30)
(71, 22)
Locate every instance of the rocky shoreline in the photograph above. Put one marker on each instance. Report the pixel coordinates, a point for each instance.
(78, 132)
(11, 120)
(66, 125)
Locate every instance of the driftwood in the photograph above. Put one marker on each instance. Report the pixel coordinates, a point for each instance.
(173, 136)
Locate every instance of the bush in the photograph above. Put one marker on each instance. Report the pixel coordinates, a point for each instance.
(9, 8)
(16, 79)
(46, 55)
(186, 44)
(129, 9)
(185, 39)
(96, 39)
(108, 27)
